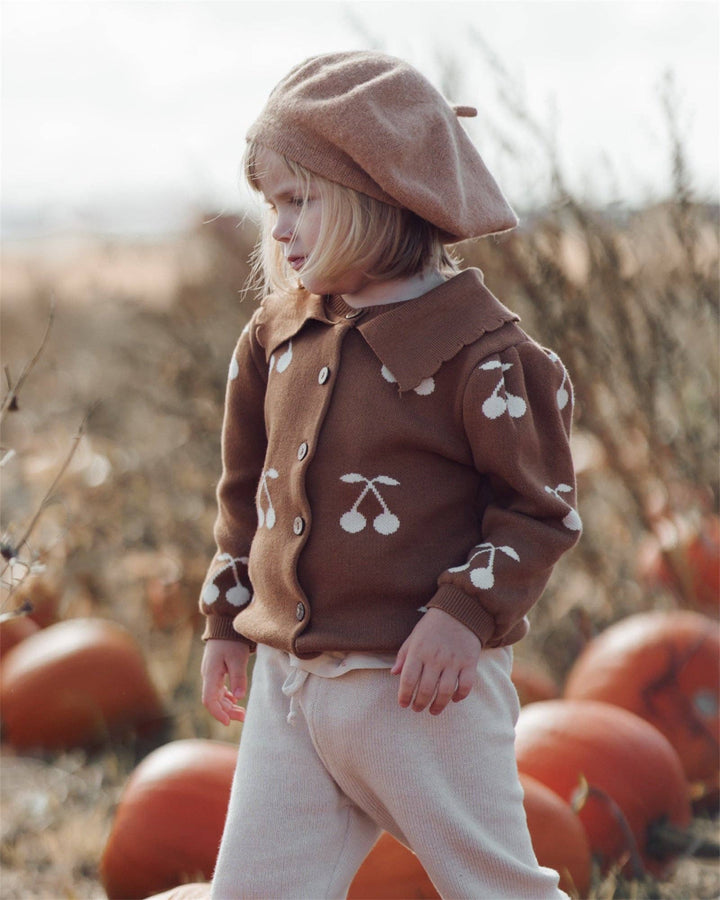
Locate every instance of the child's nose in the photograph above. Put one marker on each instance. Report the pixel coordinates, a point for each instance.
(282, 230)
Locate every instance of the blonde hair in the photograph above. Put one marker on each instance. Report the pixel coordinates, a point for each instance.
(357, 232)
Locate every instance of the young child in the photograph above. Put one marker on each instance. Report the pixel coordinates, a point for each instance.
(397, 486)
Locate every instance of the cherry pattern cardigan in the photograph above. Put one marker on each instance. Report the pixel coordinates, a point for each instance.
(380, 462)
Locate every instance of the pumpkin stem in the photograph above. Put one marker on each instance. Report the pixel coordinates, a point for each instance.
(666, 839)
(583, 793)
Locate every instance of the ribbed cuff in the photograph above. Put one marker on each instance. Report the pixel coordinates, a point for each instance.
(465, 609)
(220, 628)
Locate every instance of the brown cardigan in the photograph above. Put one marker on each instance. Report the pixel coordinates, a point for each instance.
(380, 462)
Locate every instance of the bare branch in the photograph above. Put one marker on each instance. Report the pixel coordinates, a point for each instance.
(50, 491)
(11, 397)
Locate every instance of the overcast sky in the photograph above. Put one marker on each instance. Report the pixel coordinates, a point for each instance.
(126, 114)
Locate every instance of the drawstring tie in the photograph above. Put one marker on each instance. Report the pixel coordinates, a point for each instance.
(291, 688)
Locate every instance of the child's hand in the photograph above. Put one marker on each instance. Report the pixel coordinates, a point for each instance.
(438, 663)
(221, 660)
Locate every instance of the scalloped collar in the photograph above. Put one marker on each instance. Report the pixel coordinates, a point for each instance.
(413, 338)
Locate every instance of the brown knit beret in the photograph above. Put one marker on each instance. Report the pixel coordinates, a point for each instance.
(373, 123)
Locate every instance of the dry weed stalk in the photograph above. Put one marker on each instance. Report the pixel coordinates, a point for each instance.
(10, 400)
(20, 561)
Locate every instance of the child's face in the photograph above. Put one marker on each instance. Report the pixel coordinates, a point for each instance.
(298, 220)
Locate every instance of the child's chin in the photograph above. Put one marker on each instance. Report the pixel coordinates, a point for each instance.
(348, 285)
(318, 286)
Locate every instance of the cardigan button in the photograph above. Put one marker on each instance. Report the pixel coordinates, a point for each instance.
(323, 375)
(300, 612)
(299, 525)
(354, 314)
(302, 450)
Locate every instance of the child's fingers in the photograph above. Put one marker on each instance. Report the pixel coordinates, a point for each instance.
(224, 660)
(217, 708)
(225, 709)
(213, 686)
(411, 672)
(217, 711)
(426, 688)
(236, 662)
(446, 689)
(215, 694)
(465, 684)
(235, 712)
(238, 682)
(399, 660)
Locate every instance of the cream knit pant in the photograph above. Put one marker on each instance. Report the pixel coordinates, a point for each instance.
(311, 795)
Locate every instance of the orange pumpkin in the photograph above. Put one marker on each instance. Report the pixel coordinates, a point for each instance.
(169, 820)
(558, 836)
(390, 871)
(75, 684)
(633, 775)
(532, 682)
(664, 667)
(686, 559)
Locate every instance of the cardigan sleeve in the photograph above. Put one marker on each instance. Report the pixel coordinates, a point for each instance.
(517, 412)
(227, 587)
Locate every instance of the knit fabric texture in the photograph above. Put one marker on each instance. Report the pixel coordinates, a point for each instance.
(309, 798)
(380, 462)
(374, 123)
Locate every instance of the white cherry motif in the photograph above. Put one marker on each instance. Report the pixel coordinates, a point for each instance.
(572, 520)
(238, 595)
(353, 521)
(495, 405)
(424, 389)
(266, 517)
(283, 360)
(483, 577)
(562, 396)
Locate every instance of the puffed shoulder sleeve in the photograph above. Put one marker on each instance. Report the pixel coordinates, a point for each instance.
(517, 411)
(227, 588)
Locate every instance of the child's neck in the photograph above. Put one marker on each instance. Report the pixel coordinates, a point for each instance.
(380, 293)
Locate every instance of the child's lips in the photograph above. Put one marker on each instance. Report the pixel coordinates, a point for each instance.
(296, 262)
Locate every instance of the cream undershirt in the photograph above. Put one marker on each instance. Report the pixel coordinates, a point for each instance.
(331, 665)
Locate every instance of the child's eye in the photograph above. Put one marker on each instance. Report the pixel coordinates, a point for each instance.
(297, 201)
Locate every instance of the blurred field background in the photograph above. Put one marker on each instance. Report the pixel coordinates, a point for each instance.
(127, 391)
